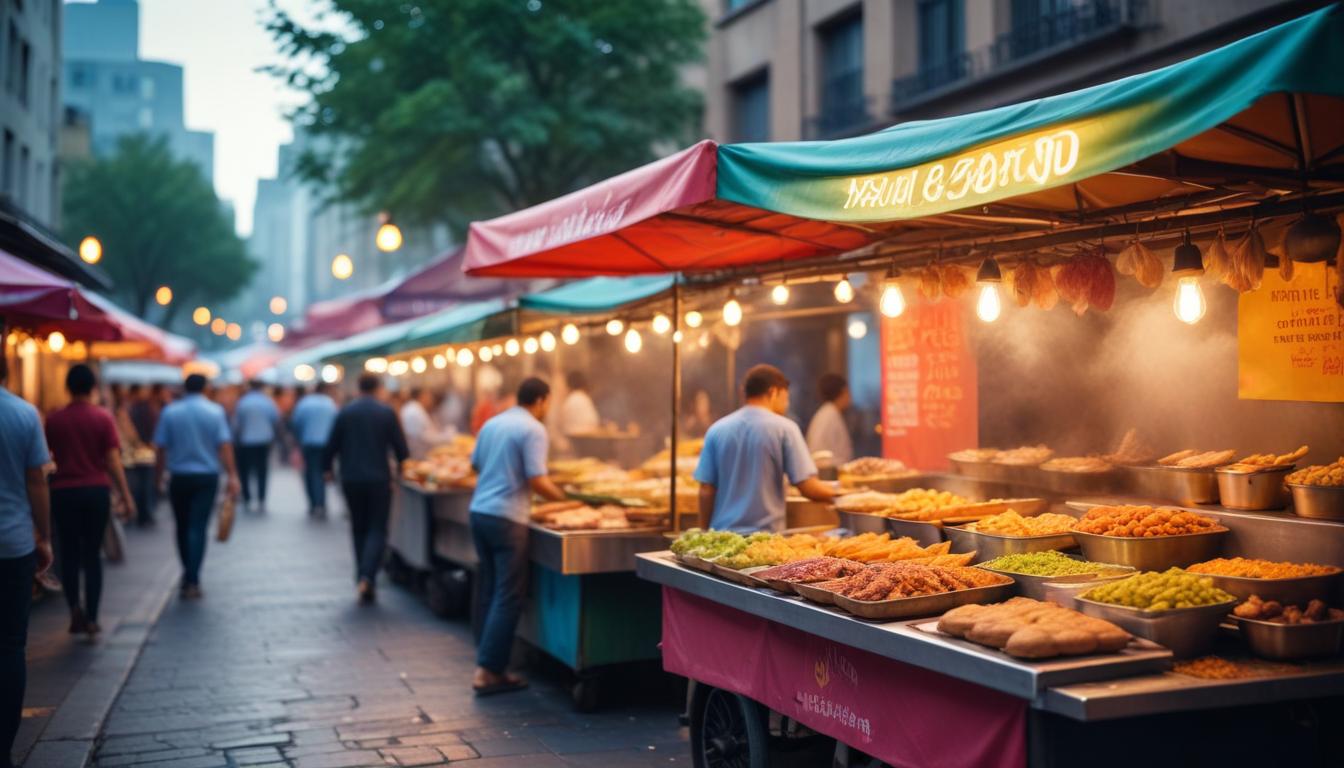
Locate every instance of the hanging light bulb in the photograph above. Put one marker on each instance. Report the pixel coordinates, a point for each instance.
(614, 327)
(732, 313)
(330, 373)
(464, 357)
(440, 362)
(530, 345)
(304, 372)
(398, 367)
(1189, 304)
(234, 331)
(279, 305)
(218, 326)
(892, 303)
(780, 294)
(56, 341)
(497, 349)
(487, 354)
(857, 329)
(694, 319)
(844, 292)
(633, 341)
(988, 306)
(661, 324)
(200, 316)
(28, 347)
(547, 341)
(676, 337)
(511, 347)
(275, 332)
(388, 238)
(570, 334)
(90, 250)
(418, 364)
(342, 267)
(163, 296)
(376, 365)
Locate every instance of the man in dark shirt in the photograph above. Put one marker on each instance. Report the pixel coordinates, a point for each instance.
(365, 433)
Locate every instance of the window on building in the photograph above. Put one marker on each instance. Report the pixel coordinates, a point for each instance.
(145, 118)
(942, 41)
(79, 78)
(147, 88)
(751, 107)
(7, 165)
(123, 83)
(1034, 23)
(21, 181)
(842, 101)
(12, 59)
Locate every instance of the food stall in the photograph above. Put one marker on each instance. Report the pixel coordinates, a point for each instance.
(1231, 165)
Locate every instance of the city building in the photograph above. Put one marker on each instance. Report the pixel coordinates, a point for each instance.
(30, 109)
(122, 94)
(823, 69)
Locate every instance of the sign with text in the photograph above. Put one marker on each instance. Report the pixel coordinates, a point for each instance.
(929, 398)
(1290, 338)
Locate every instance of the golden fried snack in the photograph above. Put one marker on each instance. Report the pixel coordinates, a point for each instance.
(1319, 474)
(1032, 629)
(1134, 520)
(1079, 464)
(1255, 568)
(1011, 523)
(1198, 459)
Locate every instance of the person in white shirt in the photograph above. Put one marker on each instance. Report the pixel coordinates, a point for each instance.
(422, 433)
(828, 431)
(578, 414)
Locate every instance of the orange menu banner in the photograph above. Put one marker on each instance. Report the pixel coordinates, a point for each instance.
(1290, 338)
(929, 398)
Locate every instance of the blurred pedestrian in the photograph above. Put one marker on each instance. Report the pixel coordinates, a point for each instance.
(25, 547)
(451, 411)
(365, 435)
(194, 447)
(254, 423)
(699, 415)
(422, 433)
(510, 460)
(828, 431)
(312, 420)
(578, 413)
(84, 443)
(140, 473)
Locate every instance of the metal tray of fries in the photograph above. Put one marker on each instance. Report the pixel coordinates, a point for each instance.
(1037, 587)
(924, 605)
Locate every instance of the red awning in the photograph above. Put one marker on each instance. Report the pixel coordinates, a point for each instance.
(662, 217)
(33, 295)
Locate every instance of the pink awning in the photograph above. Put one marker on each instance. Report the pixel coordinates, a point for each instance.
(442, 284)
(30, 293)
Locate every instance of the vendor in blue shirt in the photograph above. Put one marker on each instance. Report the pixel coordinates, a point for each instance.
(747, 456)
(510, 462)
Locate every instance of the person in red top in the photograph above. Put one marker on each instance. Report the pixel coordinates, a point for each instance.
(84, 444)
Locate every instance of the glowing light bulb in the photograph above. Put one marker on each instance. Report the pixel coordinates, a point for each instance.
(163, 296)
(376, 365)
(530, 346)
(200, 316)
(857, 329)
(398, 367)
(464, 357)
(844, 292)
(330, 373)
(703, 341)
(218, 326)
(418, 364)
(892, 303)
(304, 372)
(275, 332)
(278, 305)
(28, 347)
(988, 306)
(633, 341)
(661, 324)
(498, 349)
(487, 354)
(1189, 304)
(511, 347)
(780, 294)
(234, 331)
(694, 319)
(440, 362)
(676, 337)
(388, 238)
(547, 341)
(342, 267)
(614, 327)
(90, 250)
(56, 341)
(570, 334)
(732, 313)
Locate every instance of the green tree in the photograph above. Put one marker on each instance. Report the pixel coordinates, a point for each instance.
(160, 224)
(443, 111)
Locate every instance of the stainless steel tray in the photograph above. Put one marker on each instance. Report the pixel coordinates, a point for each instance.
(1136, 658)
(1151, 553)
(1254, 490)
(1037, 587)
(815, 594)
(989, 545)
(1071, 483)
(1295, 591)
(1183, 486)
(1292, 641)
(696, 562)
(1321, 502)
(862, 522)
(925, 605)
(1186, 631)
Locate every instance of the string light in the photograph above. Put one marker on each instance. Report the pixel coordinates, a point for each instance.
(330, 373)
(90, 250)
(694, 319)
(615, 326)
(844, 291)
(703, 341)
(988, 306)
(376, 365)
(530, 345)
(1189, 304)
(498, 349)
(163, 296)
(218, 326)
(892, 302)
(487, 354)
(304, 372)
(661, 324)
(547, 341)
(677, 336)
(398, 367)
(418, 364)
(342, 267)
(780, 294)
(28, 347)
(56, 341)
(511, 347)
(275, 332)
(200, 316)
(732, 313)
(234, 331)
(633, 341)
(464, 357)
(570, 334)
(440, 362)
(388, 238)
(278, 305)
(857, 329)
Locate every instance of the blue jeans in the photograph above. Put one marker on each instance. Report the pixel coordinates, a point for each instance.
(314, 484)
(141, 481)
(16, 597)
(501, 583)
(192, 498)
(254, 462)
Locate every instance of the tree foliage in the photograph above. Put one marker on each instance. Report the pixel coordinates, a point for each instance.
(443, 111)
(160, 224)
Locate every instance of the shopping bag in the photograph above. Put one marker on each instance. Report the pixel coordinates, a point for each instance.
(114, 541)
(226, 513)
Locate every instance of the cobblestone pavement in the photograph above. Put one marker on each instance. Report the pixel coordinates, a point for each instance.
(278, 665)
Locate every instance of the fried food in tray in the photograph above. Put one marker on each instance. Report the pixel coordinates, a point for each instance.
(775, 550)
(1255, 568)
(1031, 629)
(1011, 523)
(1144, 521)
(870, 468)
(1259, 462)
(1319, 474)
(975, 455)
(584, 518)
(898, 581)
(811, 571)
(1024, 456)
(1273, 611)
(1132, 450)
(1077, 464)
(1196, 459)
(882, 548)
(1218, 668)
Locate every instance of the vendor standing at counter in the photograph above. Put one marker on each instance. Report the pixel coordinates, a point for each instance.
(747, 456)
(510, 462)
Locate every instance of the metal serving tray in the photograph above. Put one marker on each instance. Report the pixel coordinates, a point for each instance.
(1037, 587)
(1263, 489)
(1079, 482)
(1137, 657)
(1181, 485)
(740, 576)
(1323, 502)
(1186, 631)
(582, 552)
(990, 545)
(1292, 641)
(924, 605)
(815, 594)
(1295, 591)
(1151, 553)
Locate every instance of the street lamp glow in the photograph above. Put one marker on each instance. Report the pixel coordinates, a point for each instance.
(90, 250)
(857, 329)
(275, 332)
(892, 303)
(615, 326)
(234, 331)
(1189, 304)
(547, 341)
(304, 372)
(487, 354)
(56, 341)
(530, 345)
(388, 238)
(661, 324)
(732, 313)
(418, 364)
(498, 349)
(218, 326)
(844, 291)
(780, 294)
(464, 357)
(200, 316)
(694, 319)
(278, 305)
(342, 267)
(440, 362)
(330, 373)
(164, 296)
(633, 341)
(570, 334)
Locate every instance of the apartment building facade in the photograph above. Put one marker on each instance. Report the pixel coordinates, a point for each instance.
(30, 55)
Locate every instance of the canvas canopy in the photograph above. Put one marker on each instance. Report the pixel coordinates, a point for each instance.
(597, 294)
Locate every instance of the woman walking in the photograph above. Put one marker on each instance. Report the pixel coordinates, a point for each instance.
(84, 444)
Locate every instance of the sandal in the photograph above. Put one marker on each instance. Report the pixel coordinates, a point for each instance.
(506, 685)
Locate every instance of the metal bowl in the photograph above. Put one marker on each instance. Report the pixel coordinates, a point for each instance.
(1324, 502)
(862, 522)
(1151, 553)
(1186, 631)
(981, 470)
(924, 532)
(1183, 486)
(1042, 587)
(1296, 591)
(990, 546)
(1292, 641)
(1253, 490)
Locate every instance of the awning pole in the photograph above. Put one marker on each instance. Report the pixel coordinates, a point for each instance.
(676, 401)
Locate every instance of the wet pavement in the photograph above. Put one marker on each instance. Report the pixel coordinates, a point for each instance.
(278, 665)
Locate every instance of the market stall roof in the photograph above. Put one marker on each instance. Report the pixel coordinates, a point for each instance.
(340, 317)
(31, 292)
(136, 339)
(440, 285)
(597, 294)
(375, 341)
(659, 218)
(464, 323)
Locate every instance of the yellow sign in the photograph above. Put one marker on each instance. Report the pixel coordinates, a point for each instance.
(1290, 338)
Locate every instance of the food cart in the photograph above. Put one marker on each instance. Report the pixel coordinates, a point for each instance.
(1237, 153)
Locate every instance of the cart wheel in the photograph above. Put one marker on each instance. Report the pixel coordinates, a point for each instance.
(585, 693)
(727, 730)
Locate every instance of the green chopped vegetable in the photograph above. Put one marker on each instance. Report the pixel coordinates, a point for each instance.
(1049, 563)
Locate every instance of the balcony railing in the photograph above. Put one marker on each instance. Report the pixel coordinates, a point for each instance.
(844, 107)
(1050, 33)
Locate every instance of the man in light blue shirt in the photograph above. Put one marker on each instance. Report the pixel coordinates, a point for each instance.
(311, 423)
(25, 546)
(192, 438)
(747, 456)
(510, 462)
(254, 421)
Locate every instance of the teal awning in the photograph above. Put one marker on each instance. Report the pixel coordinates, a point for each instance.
(460, 324)
(375, 341)
(597, 294)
